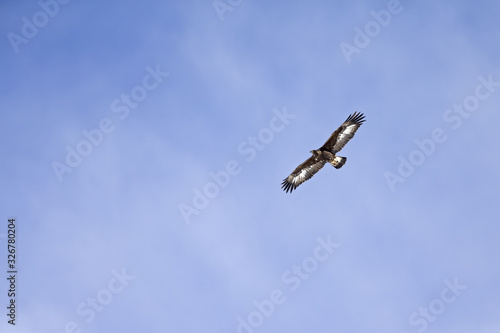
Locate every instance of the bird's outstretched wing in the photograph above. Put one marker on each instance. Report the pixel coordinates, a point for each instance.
(344, 133)
(302, 173)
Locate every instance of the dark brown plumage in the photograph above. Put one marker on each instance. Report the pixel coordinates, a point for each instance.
(325, 154)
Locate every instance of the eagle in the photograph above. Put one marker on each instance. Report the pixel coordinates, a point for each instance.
(326, 153)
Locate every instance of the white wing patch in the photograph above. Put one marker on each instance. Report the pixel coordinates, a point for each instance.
(344, 133)
(344, 137)
(307, 173)
(296, 178)
(348, 133)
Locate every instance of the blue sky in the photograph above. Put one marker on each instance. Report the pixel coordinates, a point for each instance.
(153, 100)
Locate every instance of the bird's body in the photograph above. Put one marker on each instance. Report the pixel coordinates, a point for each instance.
(325, 154)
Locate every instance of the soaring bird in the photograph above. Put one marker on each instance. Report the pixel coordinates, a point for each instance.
(325, 154)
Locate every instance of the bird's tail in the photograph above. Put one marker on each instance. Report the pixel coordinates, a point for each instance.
(338, 161)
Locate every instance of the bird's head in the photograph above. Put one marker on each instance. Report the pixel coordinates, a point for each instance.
(315, 152)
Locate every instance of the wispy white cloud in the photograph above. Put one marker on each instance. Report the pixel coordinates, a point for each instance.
(119, 208)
